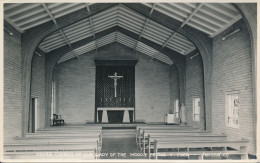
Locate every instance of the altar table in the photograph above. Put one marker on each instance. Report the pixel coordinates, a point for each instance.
(126, 118)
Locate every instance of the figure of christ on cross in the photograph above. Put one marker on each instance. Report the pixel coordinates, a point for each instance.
(115, 77)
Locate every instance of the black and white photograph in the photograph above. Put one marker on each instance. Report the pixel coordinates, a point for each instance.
(138, 81)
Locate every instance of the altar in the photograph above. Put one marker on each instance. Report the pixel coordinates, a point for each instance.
(115, 91)
(126, 117)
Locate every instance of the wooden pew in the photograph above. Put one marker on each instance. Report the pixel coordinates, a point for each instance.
(181, 137)
(59, 133)
(36, 149)
(240, 146)
(139, 132)
(162, 125)
(55, 141)
(71, 128)
(139, 129)
(145, 134)
(50, 140)
(65, 155)
(67, 135)
(70, 131)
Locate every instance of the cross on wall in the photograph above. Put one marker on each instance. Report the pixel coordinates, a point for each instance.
(115, 78)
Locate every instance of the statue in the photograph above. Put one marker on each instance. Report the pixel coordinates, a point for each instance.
(183, 112)
(115, 77)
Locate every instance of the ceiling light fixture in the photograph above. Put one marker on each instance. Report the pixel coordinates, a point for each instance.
(194, 56)
(38, 53)
(9, 32)
(231, 34)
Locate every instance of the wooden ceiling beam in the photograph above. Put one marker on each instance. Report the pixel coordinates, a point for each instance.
(82, 42)
(105, 13)
(34, 24)
(27, 14)
(49, 13)
(52, 5)
(92, 26)
(202, 28)
(214, 14)
(32, 20)
(64, 37)
(222, 10)
(60, 31)
(21, 9)
(183, 14)
(226, 26)
(64, 7)
(192, 5)
(167, 22)
(230, 6)
(134, 15)
(105, 22)
(206, 24)
(107, 16)
(13, 24)
(70, 19)
(9, 6)
(145, 24)
(169, 52)
(109, 25)
(180, 39)
(209, 19)
(122, 32)
(192, 14)
(68, 11)
(181, 44)
(176, 17)
(187, 9)
(183, 24)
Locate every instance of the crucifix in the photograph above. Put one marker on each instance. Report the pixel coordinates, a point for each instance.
(115, 77)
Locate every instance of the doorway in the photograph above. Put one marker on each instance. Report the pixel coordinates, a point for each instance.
(33, 116)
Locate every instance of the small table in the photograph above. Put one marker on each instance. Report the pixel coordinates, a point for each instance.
(126, 118)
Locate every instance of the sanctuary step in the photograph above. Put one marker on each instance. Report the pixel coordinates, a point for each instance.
(118, 133)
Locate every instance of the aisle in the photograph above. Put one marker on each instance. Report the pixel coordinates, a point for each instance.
(120, 148)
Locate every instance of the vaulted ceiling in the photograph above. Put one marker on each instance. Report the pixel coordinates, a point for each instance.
(208, 18)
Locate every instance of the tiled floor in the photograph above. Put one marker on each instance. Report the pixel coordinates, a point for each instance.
(120, 148)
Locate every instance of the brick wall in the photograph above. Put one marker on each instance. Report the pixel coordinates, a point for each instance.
(232, 70)
(38, 87)
(76, 89)
(151, 89)
(12, 86)
(76, 84)
(174, 87)
(194, 88)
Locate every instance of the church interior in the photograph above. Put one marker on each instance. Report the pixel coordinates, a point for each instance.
(143, 81)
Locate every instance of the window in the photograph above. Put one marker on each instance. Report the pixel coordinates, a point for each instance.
(53, 100)
(177, 108)
(232, 109)
(196, 108)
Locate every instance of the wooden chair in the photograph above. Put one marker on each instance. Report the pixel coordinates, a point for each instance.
(57, 120)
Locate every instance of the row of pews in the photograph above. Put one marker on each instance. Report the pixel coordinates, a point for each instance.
(183, 142)
(75, 142)
(155, 141)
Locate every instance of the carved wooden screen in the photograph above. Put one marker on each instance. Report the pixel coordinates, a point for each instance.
(105, 90)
